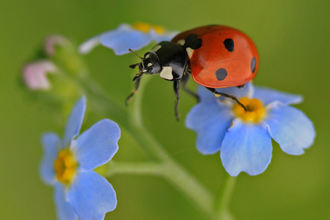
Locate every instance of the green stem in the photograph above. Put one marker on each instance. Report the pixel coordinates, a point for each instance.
(135, 106)
(189, 186)
(175, 173)
(166, 167)
(142, 135)
(171, 172)
(222, 204)
(146, 168)
(101, 102)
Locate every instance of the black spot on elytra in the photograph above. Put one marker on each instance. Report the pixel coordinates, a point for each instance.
(253, 64)
(229, 44)
(192, 41)
(221, 74)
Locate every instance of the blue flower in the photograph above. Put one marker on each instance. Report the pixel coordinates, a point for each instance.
(125, 36)
(244, 138)
(68, 165)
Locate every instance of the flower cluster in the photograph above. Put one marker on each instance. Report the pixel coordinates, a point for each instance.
(244, 137)
(68, 165)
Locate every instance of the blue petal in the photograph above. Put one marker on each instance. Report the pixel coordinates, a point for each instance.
(210, 121)
(266, 96)
(74, 122)
(97, 145)
(91, 196)
(291, 128)
(51, 144)
(63, 209)
(123, 38)
(246, 147)
(246, 91)
(162, 37)
(205, 95)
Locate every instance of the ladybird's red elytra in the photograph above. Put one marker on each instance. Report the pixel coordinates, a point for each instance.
(216, 56)
(223, 49)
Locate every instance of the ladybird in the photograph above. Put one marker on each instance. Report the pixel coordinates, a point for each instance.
(216, 56)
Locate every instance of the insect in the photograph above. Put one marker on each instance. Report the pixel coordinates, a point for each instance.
(216, 56)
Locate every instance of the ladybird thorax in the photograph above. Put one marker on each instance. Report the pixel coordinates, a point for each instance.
(173, 60)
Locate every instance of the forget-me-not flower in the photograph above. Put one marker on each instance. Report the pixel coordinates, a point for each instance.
(244, 137)
(126, 36)
(68, 165)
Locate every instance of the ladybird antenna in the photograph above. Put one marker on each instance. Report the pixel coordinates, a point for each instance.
(132, 51)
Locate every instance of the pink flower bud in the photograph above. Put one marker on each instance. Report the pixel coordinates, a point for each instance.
(34, 74)
(51, 42)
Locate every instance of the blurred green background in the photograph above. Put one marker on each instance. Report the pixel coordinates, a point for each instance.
(294, 46)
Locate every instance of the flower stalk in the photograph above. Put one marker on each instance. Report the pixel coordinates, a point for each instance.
(172, 171)
(222, 204)
(166, 167)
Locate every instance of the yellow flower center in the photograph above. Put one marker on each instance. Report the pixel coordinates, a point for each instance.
(254, 110)
(144, 27)
(65, 166)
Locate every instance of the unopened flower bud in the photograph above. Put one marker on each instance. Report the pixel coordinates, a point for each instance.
(35, 74)
(52, 42)
(65, 55)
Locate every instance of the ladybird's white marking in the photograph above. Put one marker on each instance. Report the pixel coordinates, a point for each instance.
(189, 51)
(149, 64)
(181, 42)
(147, 56)
(166, 73)
(155, 48)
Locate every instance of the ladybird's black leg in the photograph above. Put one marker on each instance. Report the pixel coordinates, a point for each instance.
(176, 87)
(184, 81)
(241, 86)
(214, 91)
(134, 65)
(137, 83)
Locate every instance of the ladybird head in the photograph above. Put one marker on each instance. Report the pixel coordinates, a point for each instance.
(149, 64)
